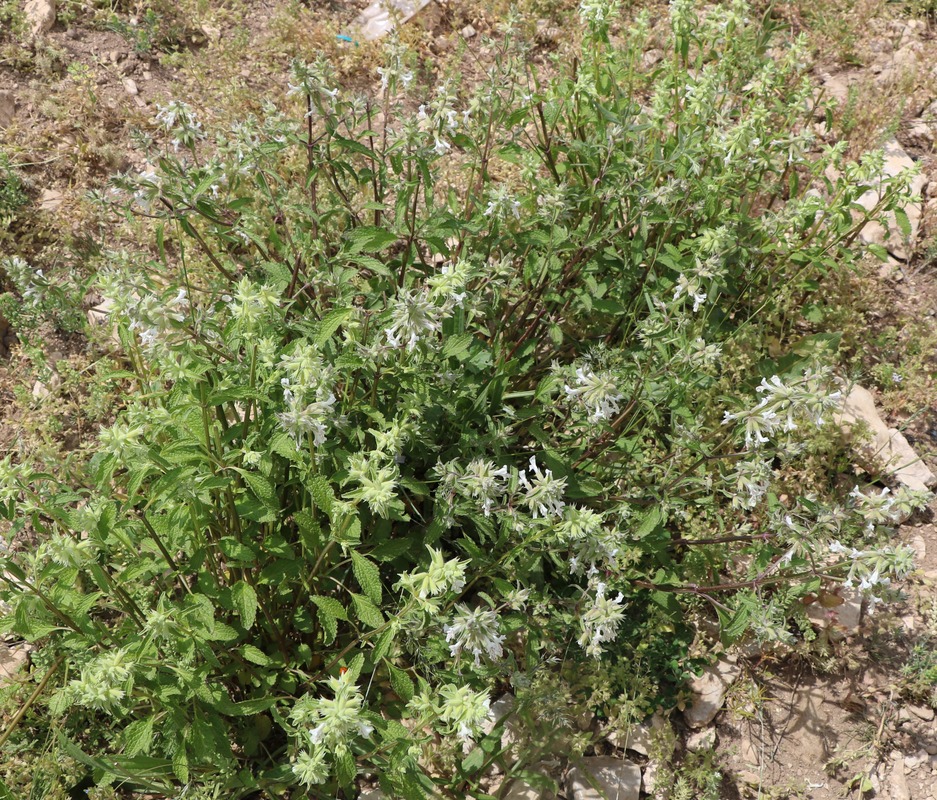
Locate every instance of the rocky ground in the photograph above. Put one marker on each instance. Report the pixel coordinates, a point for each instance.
(854, 717)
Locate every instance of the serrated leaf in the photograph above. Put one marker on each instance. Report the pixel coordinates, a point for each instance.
(368, 239)
(400, 682)
(330, 323)
(366, 611)
(255, 655)
(904, 224)
(138, 736)
(345, 769)
(284, 445)
(368, 576)
(245, 601)
(330, 606)
(262, 488)
(235, 550)
(457, 345)
(180, 764)
(383, 643)
(322, 494)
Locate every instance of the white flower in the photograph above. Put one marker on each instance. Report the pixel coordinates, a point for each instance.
(475, 630)
(597, 392)
(600, 622)
(413, 317)
(543, 494)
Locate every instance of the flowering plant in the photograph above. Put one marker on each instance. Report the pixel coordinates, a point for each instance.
(429, 404)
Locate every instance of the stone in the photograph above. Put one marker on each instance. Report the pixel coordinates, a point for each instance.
(919, 546)
(639, 737)
(709, 690)
(749, 778)
(920, 134)
(845, 617)
(43, 391)
(130, 86)
(50, 199)
(379, 18)
(519, 789)
(925, 713)
(891, 238)
(502, 709)
(468, 32)
(650, 776)
(40, 16)
(604, 778)
(889, 450)
(699, 741)
(652, 58)
(898, 783)
(12, 660)
(7, 108)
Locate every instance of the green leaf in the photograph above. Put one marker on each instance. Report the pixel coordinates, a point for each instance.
(330, 323)
(245, 601)
(383, 643)
(235, 550)
(261, 486)
(368, 576)
(180, 764)
(904, 224)
(400, 682)
(369, 239)
(138, 736)
(248, 708)
(322, 494)
(457, 345)
(367, 612)
(255, 655)
(345, 768)
(283, 445)
(330, 606)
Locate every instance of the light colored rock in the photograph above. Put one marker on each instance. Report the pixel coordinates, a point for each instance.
(920, 134)
(7, 108)
(749, 778)
(468, 32)
(12, 660)
(650, 776)
(639, 737)
(502, 709)
(889, 451)
(925, 713)
(896, 162)
(42, 391)
(845, 617)
(652, 58)
(521, 790)
(379, 18)
(50, 199)
(604, 778)
(898, 783)
(130, 86)
(698, 741)
(100, 317)
(709, 691)
(40, 16)
(919, 546)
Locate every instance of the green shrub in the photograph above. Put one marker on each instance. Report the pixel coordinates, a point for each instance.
(433, 400)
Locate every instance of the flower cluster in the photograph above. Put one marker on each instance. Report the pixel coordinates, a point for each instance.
(474, 630)
(601, 620)
(596, 392)
(330, 724)
(782, 404)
